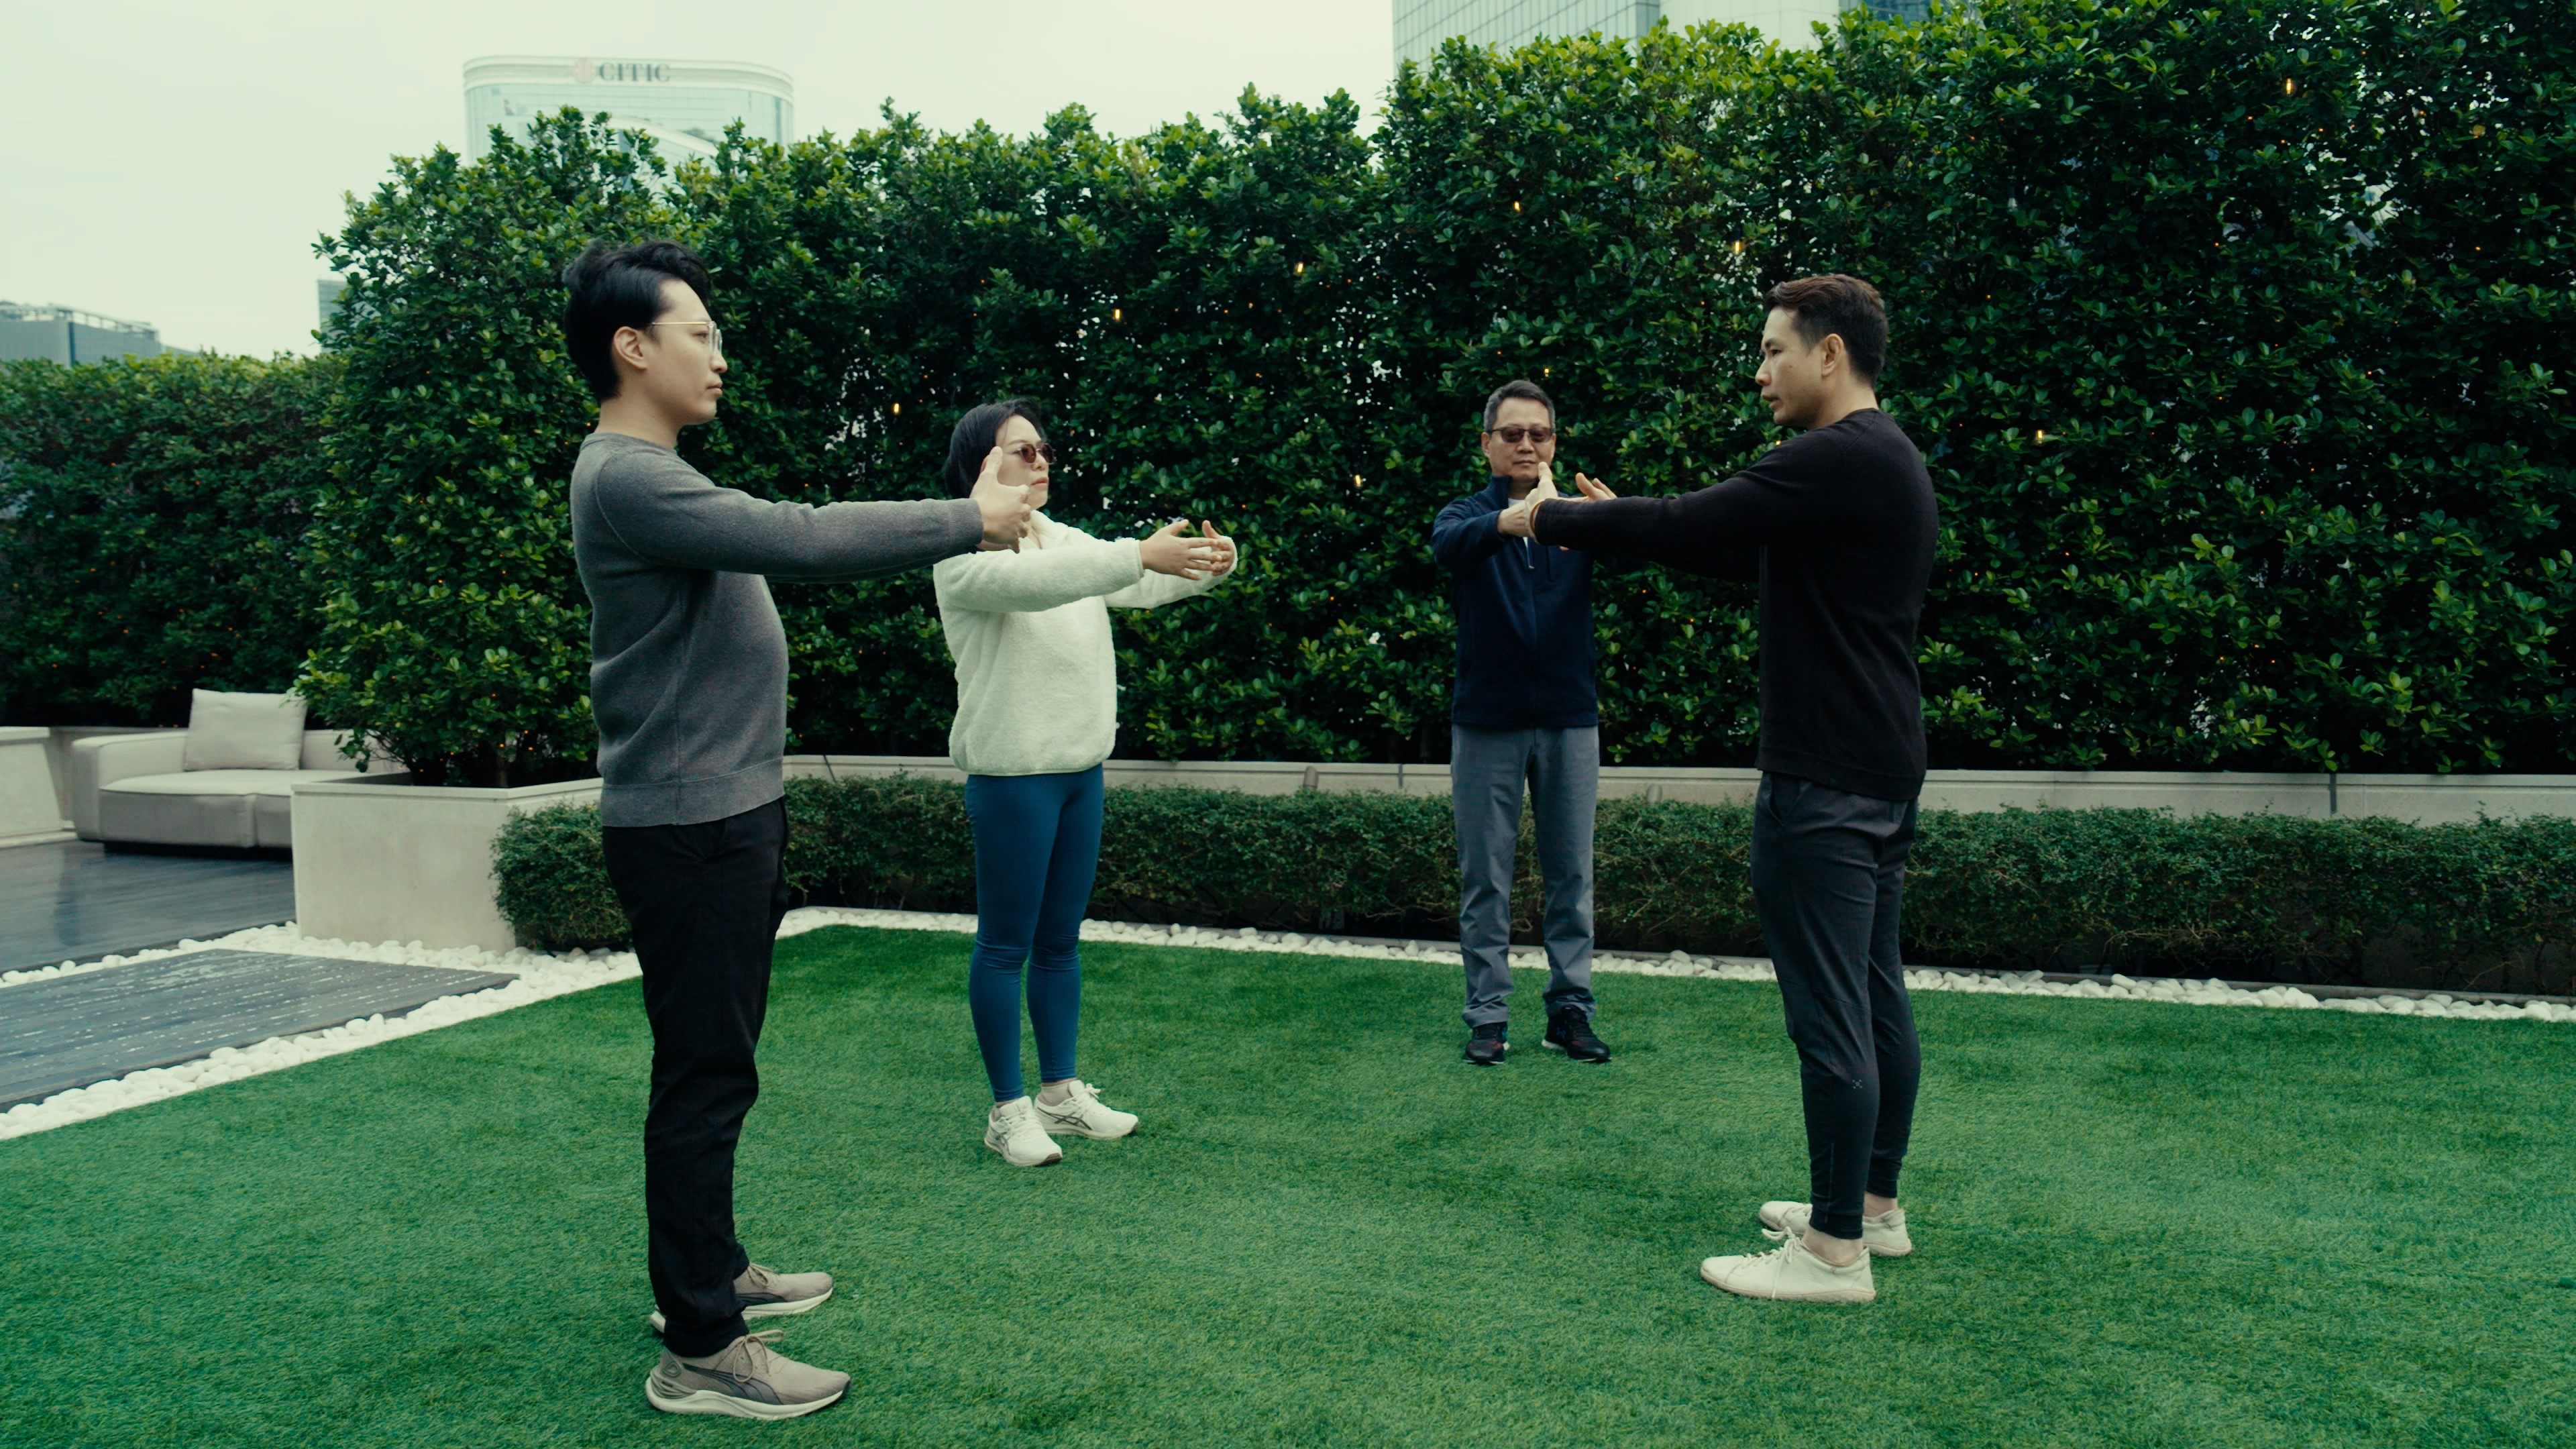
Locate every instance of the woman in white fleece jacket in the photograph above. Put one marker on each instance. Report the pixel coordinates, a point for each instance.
(1037, 711)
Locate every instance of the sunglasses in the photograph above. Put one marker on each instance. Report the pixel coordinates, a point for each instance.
(1514, 434)
(1030, 454)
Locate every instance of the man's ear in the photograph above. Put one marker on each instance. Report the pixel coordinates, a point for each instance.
(1832, 356)
(627, 345)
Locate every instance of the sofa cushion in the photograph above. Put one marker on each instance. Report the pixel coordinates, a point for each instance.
(244, 731)
(237, 809)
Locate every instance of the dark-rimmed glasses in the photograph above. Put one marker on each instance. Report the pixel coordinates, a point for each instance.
(1516, 433)
(1029, 454)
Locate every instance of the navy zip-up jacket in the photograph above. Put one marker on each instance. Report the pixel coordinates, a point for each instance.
(1524, 621)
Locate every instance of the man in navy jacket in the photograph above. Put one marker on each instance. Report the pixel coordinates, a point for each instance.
(1523, 714)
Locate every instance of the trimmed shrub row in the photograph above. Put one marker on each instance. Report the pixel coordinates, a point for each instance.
(2490, 906)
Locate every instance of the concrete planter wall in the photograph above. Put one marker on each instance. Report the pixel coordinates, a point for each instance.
(31, 810)
(2424, 799)
(395, 861)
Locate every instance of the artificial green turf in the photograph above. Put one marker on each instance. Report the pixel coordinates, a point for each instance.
(2136, 1224)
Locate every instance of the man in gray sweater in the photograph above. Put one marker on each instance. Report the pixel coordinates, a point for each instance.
(688, 679)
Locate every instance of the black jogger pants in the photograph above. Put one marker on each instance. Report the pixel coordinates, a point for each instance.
(1828, 878)
(704, 901)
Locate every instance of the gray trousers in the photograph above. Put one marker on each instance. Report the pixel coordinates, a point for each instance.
(1487, 770)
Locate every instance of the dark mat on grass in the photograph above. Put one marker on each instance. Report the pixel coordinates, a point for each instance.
(69, 1031)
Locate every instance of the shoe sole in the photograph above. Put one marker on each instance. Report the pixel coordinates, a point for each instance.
(1873, 1249)
(1006, 1157)
(1838, 1295)
(708, 1401)
(785, 1309)
(1571, 1057)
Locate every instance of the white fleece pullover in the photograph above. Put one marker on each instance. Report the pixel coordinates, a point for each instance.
(1037, 679)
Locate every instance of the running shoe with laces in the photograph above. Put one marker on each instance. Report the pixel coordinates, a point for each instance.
(1013, 1131)
(745, 1379)
(764, 1294)
(1488, 1044)
(1570, 1032)
(1083, 1114)
(1791, 1274)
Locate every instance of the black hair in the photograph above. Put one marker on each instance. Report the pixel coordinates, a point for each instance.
(1835, 304)
(973, 437)
(1518, 387)
(615, 287)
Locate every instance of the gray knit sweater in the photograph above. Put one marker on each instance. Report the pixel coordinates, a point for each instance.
(688, 662)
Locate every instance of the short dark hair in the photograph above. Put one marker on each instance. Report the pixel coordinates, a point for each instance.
(1518, 387)
(615, 287)
(973, 437)
(1840, 305)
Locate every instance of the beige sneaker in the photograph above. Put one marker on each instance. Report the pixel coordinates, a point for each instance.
(1885, 1237)
(1083, 1114)
(1013, 1131)
(1791, 1274)
(765, 1294)
(746, 1380)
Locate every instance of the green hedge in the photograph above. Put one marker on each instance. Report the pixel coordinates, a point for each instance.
(152, 519)
(2490, 906)
(2237, 334)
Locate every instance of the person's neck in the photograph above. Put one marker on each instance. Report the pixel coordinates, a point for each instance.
(634, 417)
(1519, 488)
(1858, 400)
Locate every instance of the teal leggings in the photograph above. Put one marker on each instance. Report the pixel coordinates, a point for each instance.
(1037, 846)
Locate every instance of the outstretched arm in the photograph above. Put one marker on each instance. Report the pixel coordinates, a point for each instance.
(669, 513)
(1075, 567)
(1785, 497)
(1179, 567)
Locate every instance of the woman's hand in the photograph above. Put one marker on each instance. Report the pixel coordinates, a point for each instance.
(1224, 548)
(1172, 551)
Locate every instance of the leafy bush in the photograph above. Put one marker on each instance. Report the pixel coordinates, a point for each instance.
(454, 628)
(2236, 333)
(2488, 906)
(151, 518)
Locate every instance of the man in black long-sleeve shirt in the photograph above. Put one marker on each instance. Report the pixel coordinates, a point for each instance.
(1838, 525)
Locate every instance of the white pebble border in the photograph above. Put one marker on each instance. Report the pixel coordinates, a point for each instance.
(542, 975)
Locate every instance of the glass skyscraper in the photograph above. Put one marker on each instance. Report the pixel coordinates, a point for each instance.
(684, 105)
(1421, 25)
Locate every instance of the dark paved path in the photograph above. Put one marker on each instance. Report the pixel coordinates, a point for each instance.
(63, 1032)
(75, 901)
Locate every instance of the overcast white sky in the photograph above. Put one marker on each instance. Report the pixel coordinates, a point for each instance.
(172, 163)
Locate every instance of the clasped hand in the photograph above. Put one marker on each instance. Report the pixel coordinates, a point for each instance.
(1171, 550)
(1517, 521)
(1004, 506)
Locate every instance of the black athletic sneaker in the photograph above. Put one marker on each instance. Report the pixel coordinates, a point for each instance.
(1485, 1045)
(1570, 1032)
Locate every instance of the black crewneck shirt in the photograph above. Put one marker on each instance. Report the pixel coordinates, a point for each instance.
(1838, 525)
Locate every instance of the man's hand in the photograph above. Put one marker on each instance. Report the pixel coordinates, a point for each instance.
(1005, 507)
(1172, 551)
(1224, 549)
(1594, 491)
(1514, 522)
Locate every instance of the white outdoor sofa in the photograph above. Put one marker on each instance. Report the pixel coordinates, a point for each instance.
(136, 790)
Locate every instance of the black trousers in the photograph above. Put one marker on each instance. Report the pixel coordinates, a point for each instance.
(704, 901)
(1828, 879)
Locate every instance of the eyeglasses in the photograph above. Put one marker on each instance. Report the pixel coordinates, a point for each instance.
(1514, 434)
(715, 334)
(1030, 454)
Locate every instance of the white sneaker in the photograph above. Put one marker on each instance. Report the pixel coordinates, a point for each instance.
(1791, 1274)
(1885, 1237)
(1013, 1131)
(1083, 1114)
